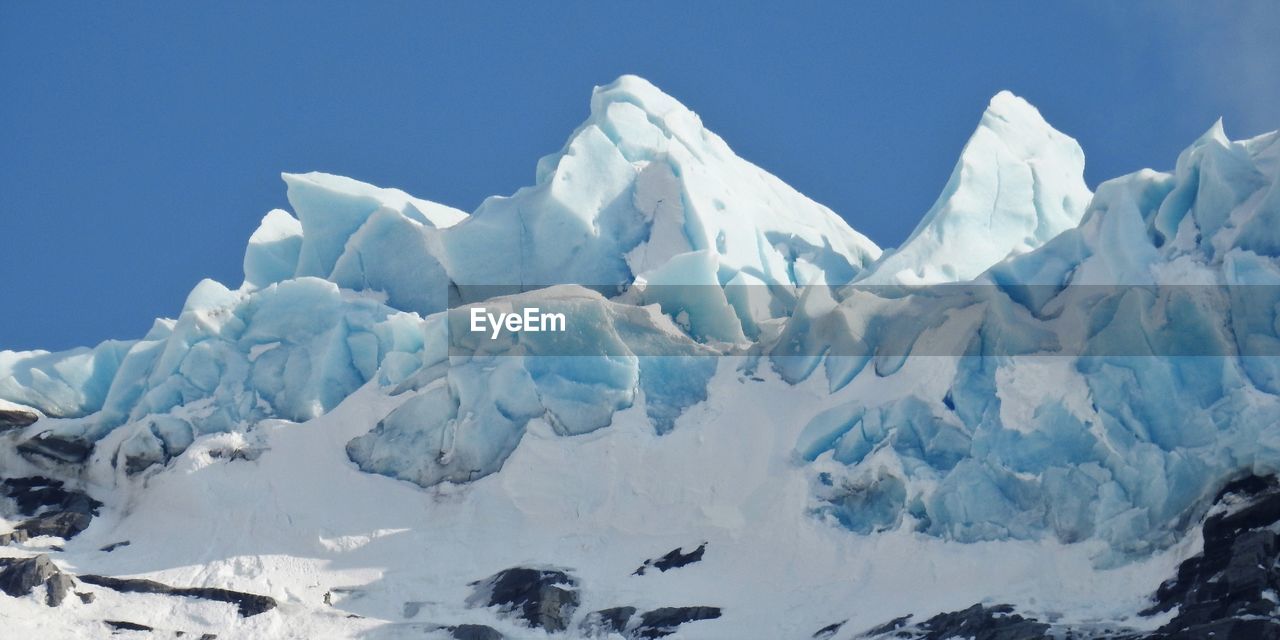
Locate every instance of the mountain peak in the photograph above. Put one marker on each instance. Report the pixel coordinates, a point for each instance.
(634, 90)
(1019, 182)
(691, 193)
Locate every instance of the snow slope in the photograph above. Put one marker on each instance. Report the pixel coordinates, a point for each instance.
(300, 520)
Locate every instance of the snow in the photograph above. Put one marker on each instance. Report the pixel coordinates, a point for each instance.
(617, 496)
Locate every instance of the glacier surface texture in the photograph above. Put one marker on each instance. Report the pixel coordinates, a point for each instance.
(1034, 362)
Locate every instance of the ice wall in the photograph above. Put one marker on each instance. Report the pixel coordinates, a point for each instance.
(1089, 368)
(1104, 385)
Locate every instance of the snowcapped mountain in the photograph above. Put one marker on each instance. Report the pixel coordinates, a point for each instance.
(753, 424)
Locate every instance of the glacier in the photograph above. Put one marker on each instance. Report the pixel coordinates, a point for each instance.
(1034, 362)
(1018, 183)
(1106, 384)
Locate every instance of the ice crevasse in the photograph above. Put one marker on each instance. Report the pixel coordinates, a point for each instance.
(1002, 401)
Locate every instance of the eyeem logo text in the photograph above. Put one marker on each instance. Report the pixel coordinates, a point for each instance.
(531, 320)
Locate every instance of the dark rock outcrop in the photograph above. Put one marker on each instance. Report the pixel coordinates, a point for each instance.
(892, 625)
(37, 493)
(978, 622)
(606, 621)
(248, 604)
(829, 631)
(20, 576)
(663, 622)
(474, 632)
(52, 509)
(121, 625)
(1226, 591)
(57, 588)
(1223, 591)
(13, 537)
(543, 598)
(657, 623)
(56, 448)
(16, 419)
(61, 524)
(672, 560)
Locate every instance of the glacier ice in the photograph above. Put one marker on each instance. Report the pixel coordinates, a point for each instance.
(1083, 365)
(1103, 385)
(352, 286)
(463, 420)
(1018, 183)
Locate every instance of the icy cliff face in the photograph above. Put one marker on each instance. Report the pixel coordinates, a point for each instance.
(1096, 367)
(1104, 385)
(352, 287)
(640, 183)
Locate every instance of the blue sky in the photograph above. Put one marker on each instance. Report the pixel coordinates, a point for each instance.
(141, 143)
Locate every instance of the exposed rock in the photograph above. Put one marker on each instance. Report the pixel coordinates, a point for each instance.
(606, 621)
(54, 510)
(672, 560)
(411, 609)
(13, 537)
(114, 545)
(892, 625)
(16, 419)
(61, 524)
(86, 596)
(20, 576)
(57, 588)
(135, 464)
(248, 454)
(57, 448)
(475, 632)
(121, 625)
(1226, 591)
(37, 493)
(249, 604)
(979, 622)
(544, 598)
(829, 631)
(664, 621)
(1223, 591)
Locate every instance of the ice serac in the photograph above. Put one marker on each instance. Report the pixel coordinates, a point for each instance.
(638, 184)
(1054, 410)
(1105, 385)
(272, 254)
(1019, 183)
(352, 287)
(465, 414)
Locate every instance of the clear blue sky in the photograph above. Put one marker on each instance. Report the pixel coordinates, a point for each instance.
(141, 143)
